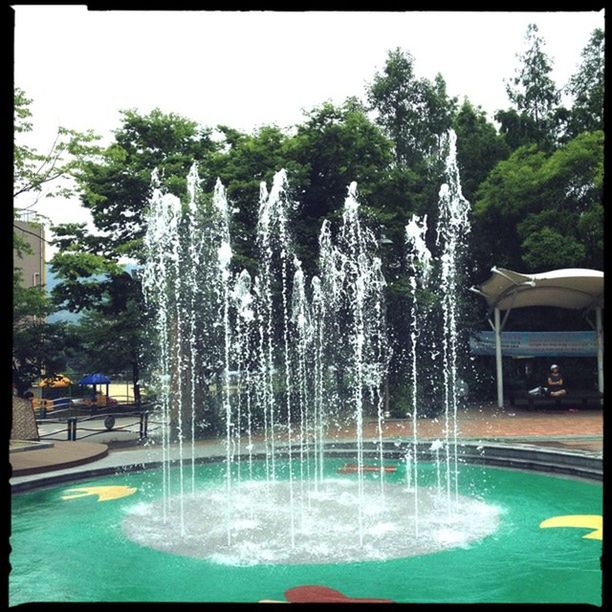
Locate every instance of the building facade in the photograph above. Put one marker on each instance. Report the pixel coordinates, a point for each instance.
(31, 264)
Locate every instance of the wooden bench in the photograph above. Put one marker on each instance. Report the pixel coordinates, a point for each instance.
(575, 398)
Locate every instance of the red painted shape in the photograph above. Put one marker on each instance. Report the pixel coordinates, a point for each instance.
(313, 593)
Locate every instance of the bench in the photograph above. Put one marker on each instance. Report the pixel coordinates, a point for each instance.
(575, 398)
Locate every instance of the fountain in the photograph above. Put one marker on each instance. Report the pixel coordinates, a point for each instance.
(277, 364)
(303, 362)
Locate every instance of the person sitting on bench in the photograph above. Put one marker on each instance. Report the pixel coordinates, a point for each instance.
(556, 387)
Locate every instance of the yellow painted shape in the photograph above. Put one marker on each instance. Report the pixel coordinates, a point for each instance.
(582, 521)
(103, 493)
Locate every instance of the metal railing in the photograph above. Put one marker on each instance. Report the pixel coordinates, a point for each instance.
(45, 408)
(74, 425)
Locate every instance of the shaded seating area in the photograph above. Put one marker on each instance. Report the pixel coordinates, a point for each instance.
(576, 398)
(576, 289)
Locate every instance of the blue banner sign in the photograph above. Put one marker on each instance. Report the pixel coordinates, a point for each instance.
(537, 344)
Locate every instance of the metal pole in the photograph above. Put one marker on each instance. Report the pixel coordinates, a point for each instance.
(600, 368)
(71, 426)
(144, 417)
(498, 360)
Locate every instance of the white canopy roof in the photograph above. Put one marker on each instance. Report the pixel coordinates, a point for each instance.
(577, 288)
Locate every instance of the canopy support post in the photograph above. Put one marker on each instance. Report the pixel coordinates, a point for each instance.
(498, 360)
(600, 367)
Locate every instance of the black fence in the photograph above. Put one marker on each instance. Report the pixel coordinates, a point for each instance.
(70, 426)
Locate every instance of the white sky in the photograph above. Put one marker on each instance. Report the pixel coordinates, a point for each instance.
(252, 68)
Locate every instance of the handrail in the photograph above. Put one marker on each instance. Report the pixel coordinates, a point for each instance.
(109, 425)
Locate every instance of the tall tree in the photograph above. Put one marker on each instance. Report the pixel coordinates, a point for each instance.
(116, 187)
(533, 93)
(39, 347)
(479, 147)
(242, 162)
(111, 339)
(587, 88)
(333, 147)
(414, 112)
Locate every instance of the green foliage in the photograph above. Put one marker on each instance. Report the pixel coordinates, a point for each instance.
(532, 91)
(479, 147)
(548, 249)
(332, 148)
(38, 347)
(549, 206)
(537, 208)
(587, 88)
(242, 162)
(110, 342)
(116, 186)
(49, 174)
(517, 129)
(413, 112)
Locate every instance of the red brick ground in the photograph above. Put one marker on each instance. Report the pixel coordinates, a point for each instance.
(580, 428)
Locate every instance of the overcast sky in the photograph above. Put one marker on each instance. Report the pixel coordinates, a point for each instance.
(251, 68)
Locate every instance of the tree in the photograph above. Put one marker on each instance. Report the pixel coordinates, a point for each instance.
(333, 147)
(111, 340)
(39, 347)
(242, 162)
(587, 88)
(36, 174)
(549, 206)
(533, 93)
(415, 113)
(479, 147)
(115, 187)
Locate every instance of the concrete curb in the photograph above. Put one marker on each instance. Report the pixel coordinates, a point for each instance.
(582, 465)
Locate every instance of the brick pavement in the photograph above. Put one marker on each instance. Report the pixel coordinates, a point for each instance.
(579, 430)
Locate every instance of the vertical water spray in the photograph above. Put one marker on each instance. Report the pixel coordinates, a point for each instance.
(357, 282)
(305, 359)
(261, 373)
(419, 265)
(266, 323)
(224, 257)
(275, 244)
(379, 358)
(158, 288)
(301, 324)
(194, 246)
(318, 339)
(243, 301)
(453, 227)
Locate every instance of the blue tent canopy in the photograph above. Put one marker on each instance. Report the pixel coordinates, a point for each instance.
(95, 379)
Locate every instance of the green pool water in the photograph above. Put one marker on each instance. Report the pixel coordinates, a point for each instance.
(74, 549)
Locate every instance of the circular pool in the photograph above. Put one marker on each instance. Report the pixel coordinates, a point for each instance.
(513, 536)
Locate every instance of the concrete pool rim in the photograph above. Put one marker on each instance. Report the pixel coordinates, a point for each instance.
(519, 456)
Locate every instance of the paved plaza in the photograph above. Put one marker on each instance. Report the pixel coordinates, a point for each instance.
(98, 449)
